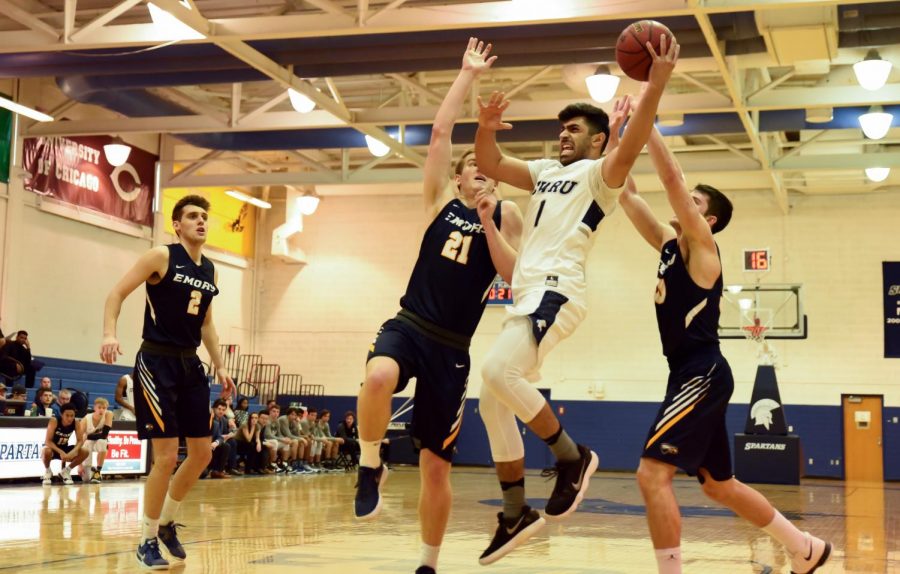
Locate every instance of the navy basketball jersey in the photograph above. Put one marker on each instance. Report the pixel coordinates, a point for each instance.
(454, 271)
(62, 433)
(176, 306)
(688, 315)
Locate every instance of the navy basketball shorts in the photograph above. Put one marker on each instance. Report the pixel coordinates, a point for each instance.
(689, 431)
(66, 448)
(171, 396)
(442, 376)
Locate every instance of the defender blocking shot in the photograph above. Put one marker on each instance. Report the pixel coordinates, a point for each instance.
(689, 431)
(171, 392)
(466, 244)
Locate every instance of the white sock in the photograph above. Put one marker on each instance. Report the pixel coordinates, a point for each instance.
(668, 560)
(783, 531)
(369, 455)
(429, 556)
(150, 528)
(169, 509)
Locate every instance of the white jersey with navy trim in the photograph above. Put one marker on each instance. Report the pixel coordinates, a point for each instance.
(567, 205)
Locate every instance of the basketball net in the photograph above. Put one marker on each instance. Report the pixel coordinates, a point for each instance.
(756, 333)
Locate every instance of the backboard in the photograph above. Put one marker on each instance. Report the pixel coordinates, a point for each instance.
(763, 310)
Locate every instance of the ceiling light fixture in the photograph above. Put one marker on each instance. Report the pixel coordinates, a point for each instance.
(301, 102)
(24, 110)
(116, 152)
(819, 115)
(248, 198)
(308, 202)
(873, 72)
(602, 85)
(876, 123)
(877, 174)
(377, 147)
(170, 27)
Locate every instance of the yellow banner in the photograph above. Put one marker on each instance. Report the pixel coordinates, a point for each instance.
(232, 223)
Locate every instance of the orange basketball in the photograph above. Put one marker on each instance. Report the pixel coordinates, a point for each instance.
(631, 50)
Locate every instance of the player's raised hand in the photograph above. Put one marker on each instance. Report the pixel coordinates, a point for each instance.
(621, 109)
(664, 61)
(109, 350)
(224, 379)
(486, 203)
(490, 114)
(476, 58)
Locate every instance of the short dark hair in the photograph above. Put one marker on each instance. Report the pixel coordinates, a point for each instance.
(18, 389)
(461, 162)
(263, 412)
(324, 413)
(195, 200)
(291, 410)
(312, 410)
(22, 333)
(594, 117)
(349, 414)
(219, 403)
(67, 407)
(719, 205)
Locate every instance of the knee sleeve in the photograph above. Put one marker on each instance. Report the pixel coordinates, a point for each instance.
(513, 357)
(503, 432)
(100, 446)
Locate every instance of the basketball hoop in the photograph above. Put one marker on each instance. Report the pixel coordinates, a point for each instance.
(757, 331)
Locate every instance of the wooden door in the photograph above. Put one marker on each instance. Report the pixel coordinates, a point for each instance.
(863, 455)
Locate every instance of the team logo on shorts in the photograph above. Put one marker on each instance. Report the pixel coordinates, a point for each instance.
(552, 281)
(148, 427)
(667, 448)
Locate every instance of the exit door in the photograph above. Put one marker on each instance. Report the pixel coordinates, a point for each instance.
(863, 453)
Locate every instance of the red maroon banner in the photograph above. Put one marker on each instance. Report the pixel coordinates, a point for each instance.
(75, 170)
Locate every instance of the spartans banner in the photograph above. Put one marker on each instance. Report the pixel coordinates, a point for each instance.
(75, 170)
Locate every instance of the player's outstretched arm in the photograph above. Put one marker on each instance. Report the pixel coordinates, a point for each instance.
(440, 151)
(153, 262)
(618, 163)
(503, 244)
(651, 229)
(210, 339)
(693, 225)
(491, 161)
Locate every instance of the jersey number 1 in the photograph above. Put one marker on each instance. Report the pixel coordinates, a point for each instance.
(194, 303)
(452, 249)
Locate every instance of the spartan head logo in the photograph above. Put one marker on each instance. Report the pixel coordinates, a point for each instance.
(761, 411)
(540, 324)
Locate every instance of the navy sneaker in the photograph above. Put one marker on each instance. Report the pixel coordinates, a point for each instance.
(512, 534)
(368, 491)
(149, 556)
(572, 480)
(169, 537)
(425, 570)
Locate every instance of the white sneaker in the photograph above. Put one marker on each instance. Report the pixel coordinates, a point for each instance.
(66, 474)
(816, 555)
(48, 477)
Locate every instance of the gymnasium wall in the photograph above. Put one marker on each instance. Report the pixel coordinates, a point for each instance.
(319, 320)
(61, 271)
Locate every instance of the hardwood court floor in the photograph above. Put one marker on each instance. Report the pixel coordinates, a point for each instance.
(297, 524)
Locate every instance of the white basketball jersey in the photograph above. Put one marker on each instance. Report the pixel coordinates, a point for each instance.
(567, 205)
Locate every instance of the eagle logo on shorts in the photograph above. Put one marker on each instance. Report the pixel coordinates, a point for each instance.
(667, 448)
(540, 324)
(148, 427)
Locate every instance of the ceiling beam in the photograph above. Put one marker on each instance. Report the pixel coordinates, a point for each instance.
(751, 125)
(24, 17)
(102, 20)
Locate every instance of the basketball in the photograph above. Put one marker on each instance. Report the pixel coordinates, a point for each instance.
(631, 50)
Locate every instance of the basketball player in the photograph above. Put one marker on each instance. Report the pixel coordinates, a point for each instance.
(171, 398)
(56, 445)
(570, 198)
(466, 244)
(96, 427)
(125, 398)
(689, 431)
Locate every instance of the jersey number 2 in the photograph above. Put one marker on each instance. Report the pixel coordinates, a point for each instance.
(452, 249)
(194, 303)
